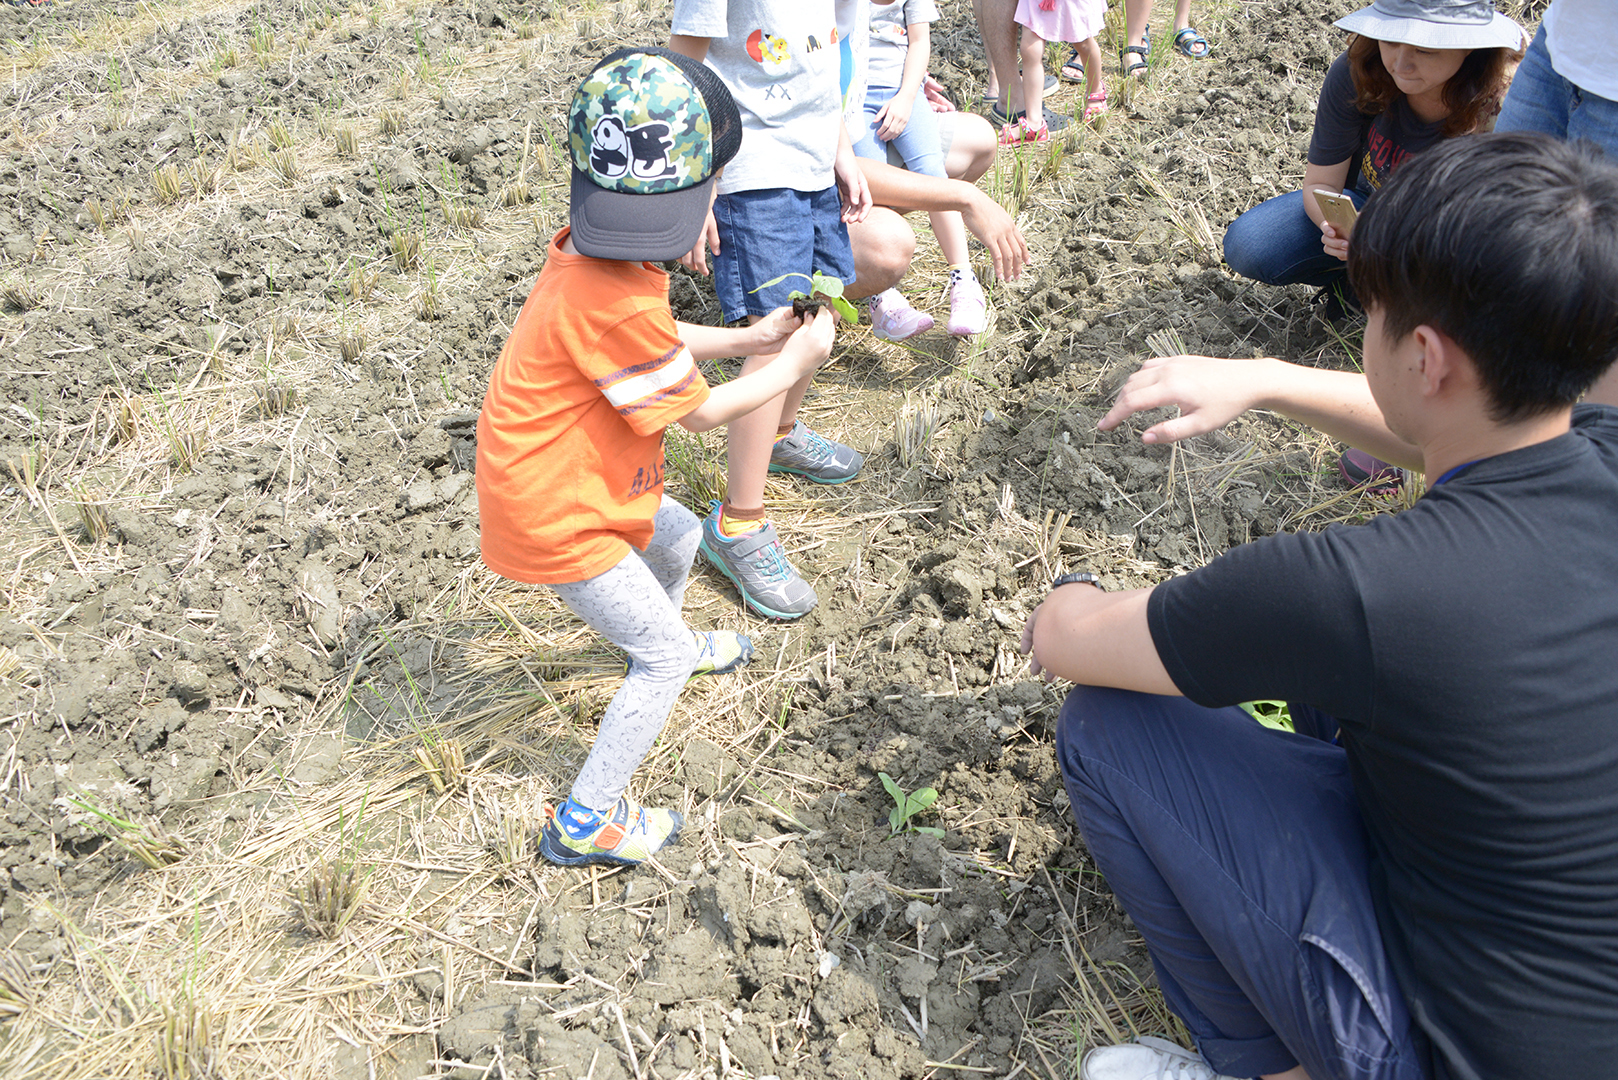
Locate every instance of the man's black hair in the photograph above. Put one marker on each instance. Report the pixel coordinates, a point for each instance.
(1508, 243)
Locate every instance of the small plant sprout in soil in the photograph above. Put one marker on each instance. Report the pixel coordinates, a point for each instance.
(908, 806)
(823, 288)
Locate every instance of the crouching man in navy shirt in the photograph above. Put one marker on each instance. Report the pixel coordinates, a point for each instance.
(1422, 882)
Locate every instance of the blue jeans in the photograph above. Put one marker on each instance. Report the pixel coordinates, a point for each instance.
(918, 144)
(1276, 243)
(1541, 100)
(774, 231)
(1240, 854)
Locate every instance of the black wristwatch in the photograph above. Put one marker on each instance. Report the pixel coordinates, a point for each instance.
(1070, 579)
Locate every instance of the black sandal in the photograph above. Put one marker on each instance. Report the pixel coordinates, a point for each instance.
(1136, 68)
(1072, 69)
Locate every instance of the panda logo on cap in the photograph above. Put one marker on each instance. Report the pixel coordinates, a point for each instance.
(616, 150)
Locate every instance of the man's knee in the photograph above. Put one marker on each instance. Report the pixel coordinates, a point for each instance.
(971, 149)
(883, 247)
(1084, 728)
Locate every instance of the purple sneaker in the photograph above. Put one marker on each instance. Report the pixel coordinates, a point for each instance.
(1376, 476)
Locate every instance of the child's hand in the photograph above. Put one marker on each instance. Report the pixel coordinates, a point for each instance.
(775, 328)
(697, 258)
(1333, 241)
(892, 120)
(935, 95)
(810, 344)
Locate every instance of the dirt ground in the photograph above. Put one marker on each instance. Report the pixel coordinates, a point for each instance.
(273, 743)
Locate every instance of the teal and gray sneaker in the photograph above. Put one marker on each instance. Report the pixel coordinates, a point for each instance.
(757, 565)
(720, 652)
(814, 457)
(627, 834)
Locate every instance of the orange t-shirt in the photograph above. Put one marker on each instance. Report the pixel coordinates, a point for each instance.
(570, 440)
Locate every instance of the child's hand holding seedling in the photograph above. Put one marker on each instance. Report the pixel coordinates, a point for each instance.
(804, 351)
(810, 345)
(775, 328)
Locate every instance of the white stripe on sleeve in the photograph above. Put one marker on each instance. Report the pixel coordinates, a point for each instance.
(638, 386)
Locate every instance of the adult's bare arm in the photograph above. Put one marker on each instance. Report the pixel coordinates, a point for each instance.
(1099, 639)
(904, 191)
(1210, 393)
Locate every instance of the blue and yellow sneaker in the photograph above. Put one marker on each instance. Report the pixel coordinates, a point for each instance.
(626, 835)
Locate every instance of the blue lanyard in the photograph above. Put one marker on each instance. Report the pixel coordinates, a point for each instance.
(1452, 472)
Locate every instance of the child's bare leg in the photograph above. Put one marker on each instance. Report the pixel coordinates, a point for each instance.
(968, 307)
(750, 438)
(1089, 51)
(1182, 14)
(748, 443)
(1033, 77)
(950, 230)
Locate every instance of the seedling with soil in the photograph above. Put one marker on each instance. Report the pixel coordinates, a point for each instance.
(823, 288)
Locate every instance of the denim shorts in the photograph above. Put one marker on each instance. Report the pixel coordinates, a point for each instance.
(773, 231)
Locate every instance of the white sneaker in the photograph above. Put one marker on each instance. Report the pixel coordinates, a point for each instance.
(1147, 1058)
(968, 308)
(893, 319)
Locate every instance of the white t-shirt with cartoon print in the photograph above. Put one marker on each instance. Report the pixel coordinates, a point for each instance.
(782, 60)
(890, 38)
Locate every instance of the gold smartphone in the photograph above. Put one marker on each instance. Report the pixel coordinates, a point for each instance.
(1338, 209)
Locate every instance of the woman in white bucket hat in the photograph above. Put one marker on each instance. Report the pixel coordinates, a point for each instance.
(1416, 71)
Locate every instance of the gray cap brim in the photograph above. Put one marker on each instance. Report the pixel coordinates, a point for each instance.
(1498, 33)
(636, 228)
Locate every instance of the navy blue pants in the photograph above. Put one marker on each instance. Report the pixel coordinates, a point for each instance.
(1240, 855)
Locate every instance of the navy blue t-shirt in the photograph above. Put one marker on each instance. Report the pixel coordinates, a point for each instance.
(1469, 649)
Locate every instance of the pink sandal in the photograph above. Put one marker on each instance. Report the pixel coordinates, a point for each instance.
(1018, 132)
(1095, 104)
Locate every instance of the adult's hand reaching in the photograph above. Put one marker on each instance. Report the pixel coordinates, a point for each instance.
(1209, 392)
(934, 91)
(989, 222)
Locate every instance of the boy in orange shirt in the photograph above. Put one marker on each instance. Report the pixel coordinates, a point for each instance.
(570, 440)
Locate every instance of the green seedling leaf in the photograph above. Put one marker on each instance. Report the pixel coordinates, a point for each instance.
(929, 830)
(778, 280)
(908, 806)
(1272, 714)
(843, 308)
(896, 816)
(919, 800)
(826, 285)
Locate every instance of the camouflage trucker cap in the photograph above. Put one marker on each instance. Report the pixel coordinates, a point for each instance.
(649, 131)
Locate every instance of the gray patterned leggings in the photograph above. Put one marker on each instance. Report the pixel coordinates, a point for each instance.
(636, 606)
